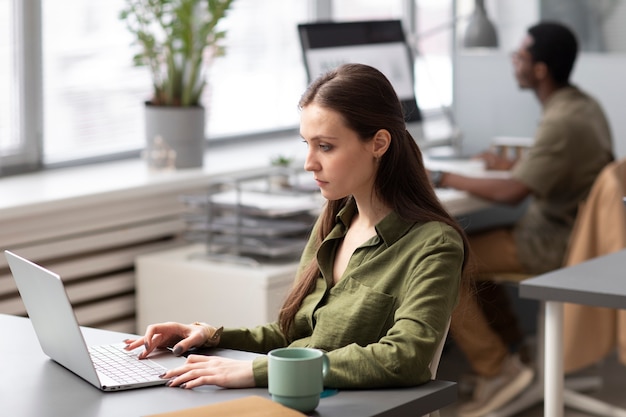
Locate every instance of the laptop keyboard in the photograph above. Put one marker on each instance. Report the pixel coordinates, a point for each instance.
(123, 366)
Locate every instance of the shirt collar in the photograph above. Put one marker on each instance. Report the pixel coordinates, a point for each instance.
(561, 94)
(389, 229)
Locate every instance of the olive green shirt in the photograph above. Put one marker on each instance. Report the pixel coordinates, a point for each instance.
(382, 322)
(572, 144)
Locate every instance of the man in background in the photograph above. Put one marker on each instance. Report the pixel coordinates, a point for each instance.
(571, 146)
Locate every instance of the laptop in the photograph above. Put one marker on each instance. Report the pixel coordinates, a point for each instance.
(61, 338)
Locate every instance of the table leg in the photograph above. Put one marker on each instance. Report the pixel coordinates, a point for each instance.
(553, 368)
(556, 395)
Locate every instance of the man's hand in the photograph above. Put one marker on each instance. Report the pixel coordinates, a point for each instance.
(495, 162)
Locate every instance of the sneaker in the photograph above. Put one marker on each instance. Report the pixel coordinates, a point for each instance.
(492, 393)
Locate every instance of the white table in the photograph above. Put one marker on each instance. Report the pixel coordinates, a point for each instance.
(459, 203)
(597, 282)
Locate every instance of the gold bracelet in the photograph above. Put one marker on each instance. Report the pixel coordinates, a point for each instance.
(213, 334)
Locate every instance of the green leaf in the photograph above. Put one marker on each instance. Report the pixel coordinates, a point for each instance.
(173, 38)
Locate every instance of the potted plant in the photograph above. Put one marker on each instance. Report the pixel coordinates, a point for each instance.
(177, 39)
(280, 177)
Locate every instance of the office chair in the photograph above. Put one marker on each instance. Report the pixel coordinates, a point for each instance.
(600, 229)
(607, 192)
(434, 363)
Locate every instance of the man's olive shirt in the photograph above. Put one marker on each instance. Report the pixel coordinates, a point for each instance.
(573, 143)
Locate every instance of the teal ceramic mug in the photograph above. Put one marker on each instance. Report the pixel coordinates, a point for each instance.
(296, 377)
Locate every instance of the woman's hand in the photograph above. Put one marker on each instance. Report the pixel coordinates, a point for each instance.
(211, 370)
(181, 337)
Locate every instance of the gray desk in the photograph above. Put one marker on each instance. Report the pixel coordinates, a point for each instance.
(598, 282)
(34, 386)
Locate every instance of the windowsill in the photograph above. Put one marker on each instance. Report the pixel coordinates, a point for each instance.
(104, 182)
(35, 193)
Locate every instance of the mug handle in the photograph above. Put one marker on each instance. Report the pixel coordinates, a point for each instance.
(325, 364)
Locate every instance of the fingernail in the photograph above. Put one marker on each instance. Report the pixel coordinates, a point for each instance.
(183, 385)
(162, 375)
(168, 383)
(177, 351)
(145, 345)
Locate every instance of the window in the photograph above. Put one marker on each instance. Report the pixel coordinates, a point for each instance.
(431, 41)
(94, 97)
(9, 131)
(434, 50)
(92, 94)
(73, 94)
(256, 86)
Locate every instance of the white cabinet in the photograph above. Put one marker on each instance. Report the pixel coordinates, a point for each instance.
(179, 285)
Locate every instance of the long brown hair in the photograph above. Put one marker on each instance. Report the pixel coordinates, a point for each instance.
(367, 102)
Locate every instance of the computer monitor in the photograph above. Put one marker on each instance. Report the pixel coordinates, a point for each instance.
(378, 43)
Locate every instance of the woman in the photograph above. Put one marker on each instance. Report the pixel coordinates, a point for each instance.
(380, 274)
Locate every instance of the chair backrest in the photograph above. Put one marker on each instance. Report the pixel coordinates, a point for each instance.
(591, 333)
(600, 226)
(434, 363)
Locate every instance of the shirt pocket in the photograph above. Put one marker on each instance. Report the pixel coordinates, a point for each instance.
(353, 313)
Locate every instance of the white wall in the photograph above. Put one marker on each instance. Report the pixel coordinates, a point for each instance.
(512, 18)
(488, 102)
(603, 75)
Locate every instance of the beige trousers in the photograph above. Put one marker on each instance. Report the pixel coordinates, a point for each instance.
(479, 321)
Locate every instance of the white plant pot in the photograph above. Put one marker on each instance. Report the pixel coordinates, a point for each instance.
(177, 129)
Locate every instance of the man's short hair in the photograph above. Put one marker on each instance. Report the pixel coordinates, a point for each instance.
(555, 45)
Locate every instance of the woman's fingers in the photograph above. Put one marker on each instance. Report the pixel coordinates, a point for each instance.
(156, 336)
(211, 370)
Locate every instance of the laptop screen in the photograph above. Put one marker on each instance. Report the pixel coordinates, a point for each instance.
(378, 43)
